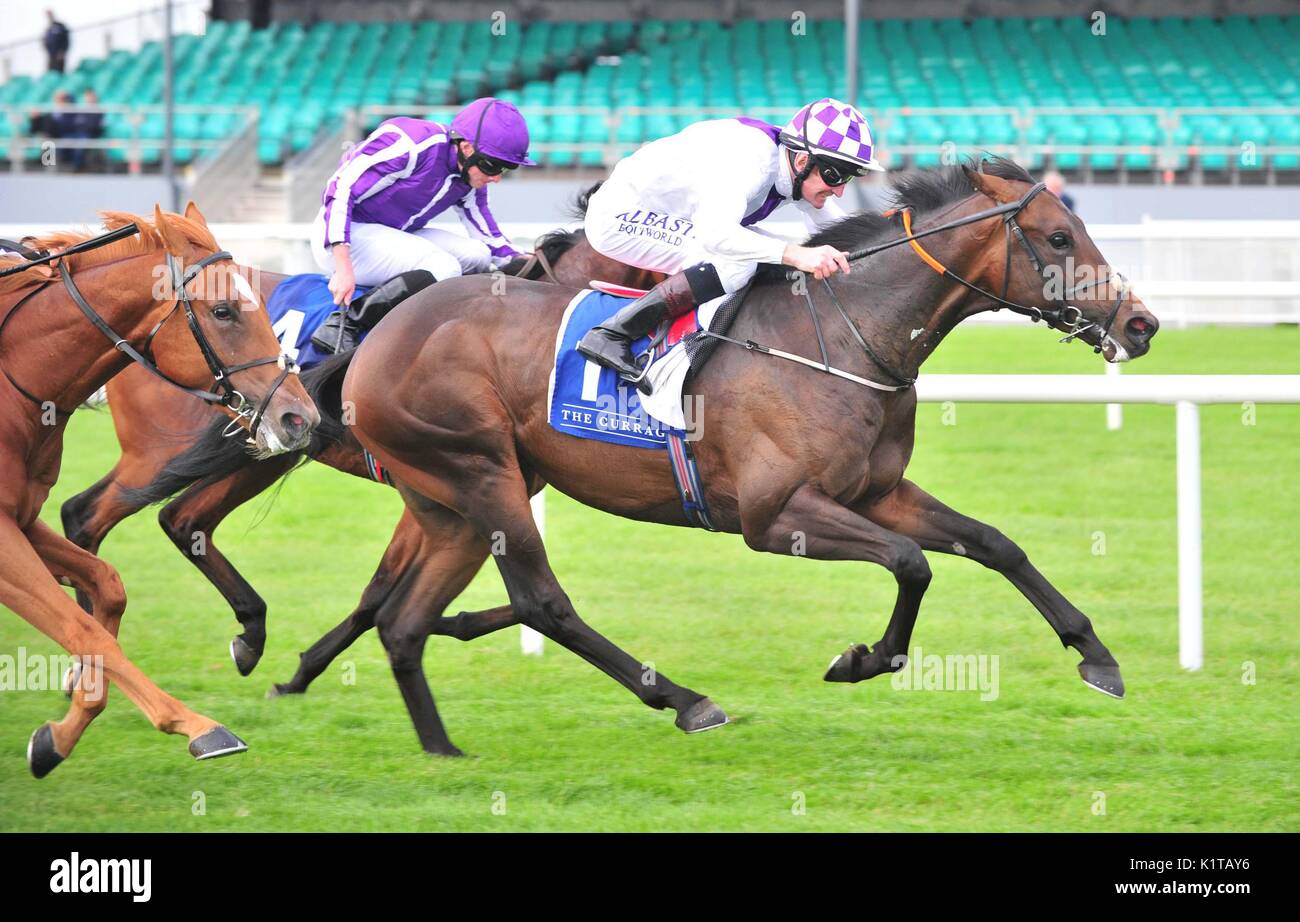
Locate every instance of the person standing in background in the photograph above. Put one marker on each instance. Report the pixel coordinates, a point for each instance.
(1055, 183)
(56, 43)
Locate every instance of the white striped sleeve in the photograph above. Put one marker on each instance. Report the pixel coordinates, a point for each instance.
(383, 148)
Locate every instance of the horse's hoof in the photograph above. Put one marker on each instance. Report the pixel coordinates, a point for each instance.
(216, 743)
(245, 657)
(71, 675)
(451, 752)
(841, 668)
(279, 690)
(42, 757)
(700, 716)
(1105, 679)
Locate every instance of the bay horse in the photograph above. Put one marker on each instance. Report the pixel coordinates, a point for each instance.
(155, 423)
(134, 290)
(450, 394)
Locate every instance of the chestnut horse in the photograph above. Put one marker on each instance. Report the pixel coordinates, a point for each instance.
(135, 292)
(450, 394)
(155, 423)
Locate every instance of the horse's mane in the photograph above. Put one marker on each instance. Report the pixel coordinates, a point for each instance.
(920, 190)
(149, 240)
(556, 243)
(579, 209)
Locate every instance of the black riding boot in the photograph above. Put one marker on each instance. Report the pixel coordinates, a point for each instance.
(341, 329)
(610, 343)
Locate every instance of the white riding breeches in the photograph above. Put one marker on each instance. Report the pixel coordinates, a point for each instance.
(380, 252)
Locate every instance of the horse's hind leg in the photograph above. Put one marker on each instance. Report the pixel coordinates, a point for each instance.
(190, 521)
(403, 551)
(469, 625)
(497, 504)
(442, 567)
(911, 511)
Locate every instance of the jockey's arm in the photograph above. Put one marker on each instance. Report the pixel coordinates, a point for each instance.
(718, 229)
(722, 206)
(386, 151)
(476, 217)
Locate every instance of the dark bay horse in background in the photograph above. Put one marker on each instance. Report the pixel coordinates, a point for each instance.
(166, 296)
(155, 423)
(450, 394)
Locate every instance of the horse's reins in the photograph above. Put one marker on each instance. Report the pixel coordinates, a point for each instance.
(538, 258)
(1055, 316)
(224, 394)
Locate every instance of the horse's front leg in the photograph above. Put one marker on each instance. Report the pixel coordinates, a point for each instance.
(190, 521)
(101, 586)
(911, 511)
(811, 524)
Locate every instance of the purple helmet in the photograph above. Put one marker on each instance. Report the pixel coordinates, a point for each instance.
(495, 128)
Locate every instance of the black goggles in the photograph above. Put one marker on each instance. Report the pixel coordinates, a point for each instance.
(834, 173)
(490, 166)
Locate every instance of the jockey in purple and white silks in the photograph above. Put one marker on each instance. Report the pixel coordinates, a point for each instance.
(687, 205)
(372, 226)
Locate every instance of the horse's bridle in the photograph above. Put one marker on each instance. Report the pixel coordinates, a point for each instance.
(1068, 318)
(225, 393)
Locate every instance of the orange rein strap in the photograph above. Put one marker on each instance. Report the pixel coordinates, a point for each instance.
(916, 245)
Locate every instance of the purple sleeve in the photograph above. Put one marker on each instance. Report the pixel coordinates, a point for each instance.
(385, 152)
(477, 218)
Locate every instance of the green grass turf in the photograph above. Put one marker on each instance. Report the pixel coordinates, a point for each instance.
(564, 748)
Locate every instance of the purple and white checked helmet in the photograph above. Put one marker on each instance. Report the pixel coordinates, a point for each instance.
(834, 129)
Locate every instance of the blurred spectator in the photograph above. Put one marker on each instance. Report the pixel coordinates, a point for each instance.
(1055, 183)
(55, 124)
(90, 126)
(56, 42)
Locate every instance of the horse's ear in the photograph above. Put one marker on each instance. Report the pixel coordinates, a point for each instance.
(995, 187)
(173, 241)
(192, 212)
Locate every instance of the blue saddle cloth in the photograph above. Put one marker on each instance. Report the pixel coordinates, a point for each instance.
(591, 402)
(297, 307)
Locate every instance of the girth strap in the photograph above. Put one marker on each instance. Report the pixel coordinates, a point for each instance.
(681, 460)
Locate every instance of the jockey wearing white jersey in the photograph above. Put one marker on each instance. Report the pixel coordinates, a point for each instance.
(372, 224)
(685, 205)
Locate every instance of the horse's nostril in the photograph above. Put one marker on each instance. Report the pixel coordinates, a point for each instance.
(1142, 328)
(294, 425)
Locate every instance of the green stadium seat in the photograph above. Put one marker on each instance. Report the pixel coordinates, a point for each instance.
(311, 74)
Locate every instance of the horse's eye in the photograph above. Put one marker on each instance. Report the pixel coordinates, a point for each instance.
(1059, 240)
(223, 312)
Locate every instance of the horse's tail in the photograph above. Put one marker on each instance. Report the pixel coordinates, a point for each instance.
(213, 456)
(579, 209)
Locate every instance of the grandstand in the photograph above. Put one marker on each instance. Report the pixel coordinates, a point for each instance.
(1201, 97)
